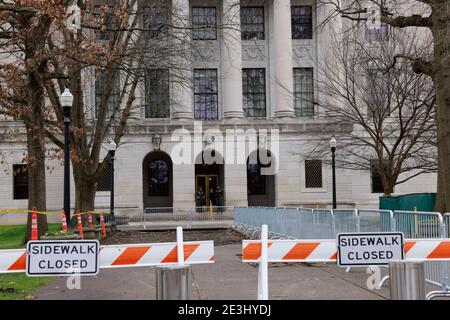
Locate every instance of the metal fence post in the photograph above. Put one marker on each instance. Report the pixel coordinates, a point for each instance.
(407, 280)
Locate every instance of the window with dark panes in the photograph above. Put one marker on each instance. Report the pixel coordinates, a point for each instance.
(254, 92)
(376, 32)
(114, 97)
(205, 94)
(204, 23)
(157, 98)
(304, 92)
(156, 22)
(252, 23)
(378, 97)
(158, 178)
(20, 181)
(313, 174)
(375, 177)
(302, 24)
(104, 182)
(104, 16)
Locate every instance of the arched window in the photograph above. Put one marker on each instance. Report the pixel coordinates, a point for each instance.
(256, 183)
(158, 178)
(260, 179)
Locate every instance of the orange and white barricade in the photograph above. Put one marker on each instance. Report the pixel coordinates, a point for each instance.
(131, 255)
(264, 251)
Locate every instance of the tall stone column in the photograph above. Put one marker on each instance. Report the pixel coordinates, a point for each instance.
(182, 104)
(282, 40)
(232, 60)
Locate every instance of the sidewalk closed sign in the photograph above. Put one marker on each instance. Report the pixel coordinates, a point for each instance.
(59, 258)
(369, 249)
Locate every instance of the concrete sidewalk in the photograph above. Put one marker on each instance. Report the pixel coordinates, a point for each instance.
(227, 279)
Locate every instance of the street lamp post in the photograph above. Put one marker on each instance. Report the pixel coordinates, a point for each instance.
(112, 150)
(66, 100)
(333, 144)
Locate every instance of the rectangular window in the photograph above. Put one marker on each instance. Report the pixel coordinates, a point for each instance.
(105, 20)
(114, 98)
(205, 94)
(374, 33)
(313, 174)
(104, 182)
(204, 23)
(20, 181)
(304, 92)
(378, 97)
(254, 92)
(157, 98)
(156, 22)
(301, 20)
(375, 176)
(252, 23)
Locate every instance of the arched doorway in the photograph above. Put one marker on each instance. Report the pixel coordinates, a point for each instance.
(157, 180)
(260, 185)
(209, 181)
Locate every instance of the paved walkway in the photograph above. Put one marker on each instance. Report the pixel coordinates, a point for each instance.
(227, 279)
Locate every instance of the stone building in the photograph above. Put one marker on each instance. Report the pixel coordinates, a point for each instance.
(257, 84)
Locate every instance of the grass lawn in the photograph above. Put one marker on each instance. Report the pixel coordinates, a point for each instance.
(18, 286)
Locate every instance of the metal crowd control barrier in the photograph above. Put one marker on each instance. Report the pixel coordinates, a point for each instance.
(303, 223)
(264, 251)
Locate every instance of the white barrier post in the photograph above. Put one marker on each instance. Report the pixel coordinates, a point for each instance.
(180, 247)
(263, 277)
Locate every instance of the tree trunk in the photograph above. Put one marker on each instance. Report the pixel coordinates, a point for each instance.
(36, 158)
(388, 189)
(85, 189)
(441, 77)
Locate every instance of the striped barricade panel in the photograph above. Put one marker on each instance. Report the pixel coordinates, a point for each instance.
(12, 260)
(326, 250)
(155, 254)
(127, 255)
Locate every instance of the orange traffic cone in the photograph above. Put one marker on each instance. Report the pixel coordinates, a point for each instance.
(102, 221)
(80, 226)
(91, 225)
(34, 225)
(64, 221)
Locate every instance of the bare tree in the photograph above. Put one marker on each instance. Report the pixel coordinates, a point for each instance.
(390, 107)
(117, 45)
(431, 16)
(24, 29)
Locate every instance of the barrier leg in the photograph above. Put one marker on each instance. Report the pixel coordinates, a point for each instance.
(407, 280)
(174, 283)
(263, 277)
